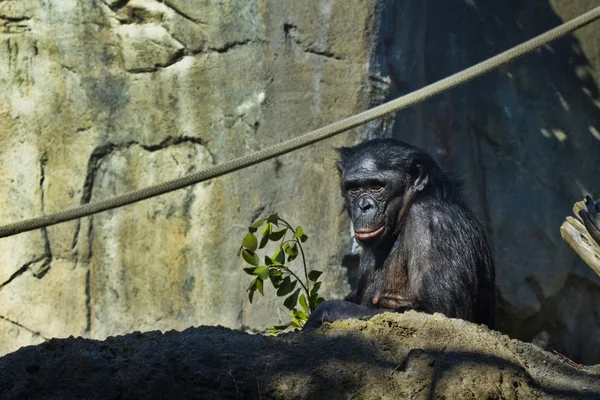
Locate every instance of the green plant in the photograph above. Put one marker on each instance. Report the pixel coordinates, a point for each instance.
(304, 293)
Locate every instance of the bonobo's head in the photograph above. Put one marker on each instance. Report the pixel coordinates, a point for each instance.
(380, 179)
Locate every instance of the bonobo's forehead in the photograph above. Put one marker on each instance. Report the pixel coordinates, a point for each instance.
(366, 167)
(382, 154)
(367, 164)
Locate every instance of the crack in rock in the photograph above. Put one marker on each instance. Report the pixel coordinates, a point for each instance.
(23, 327)
(294, 35)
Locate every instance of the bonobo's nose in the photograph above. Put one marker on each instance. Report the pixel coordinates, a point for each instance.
(365, 204)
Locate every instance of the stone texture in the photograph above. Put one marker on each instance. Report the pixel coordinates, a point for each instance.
(394, 356)
(55, 299)
(101, 97)
(524, 137)
(15, 336)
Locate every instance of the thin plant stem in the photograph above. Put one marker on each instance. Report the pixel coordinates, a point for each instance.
(307, 286)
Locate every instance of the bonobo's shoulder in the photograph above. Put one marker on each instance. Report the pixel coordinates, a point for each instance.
(442, 211)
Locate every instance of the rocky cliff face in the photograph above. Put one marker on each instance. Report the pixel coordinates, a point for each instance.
(102, 97)
(525, 138)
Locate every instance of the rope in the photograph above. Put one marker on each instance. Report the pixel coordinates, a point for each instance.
(308, 138)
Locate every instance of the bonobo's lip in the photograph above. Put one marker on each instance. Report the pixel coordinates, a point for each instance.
(363, 234)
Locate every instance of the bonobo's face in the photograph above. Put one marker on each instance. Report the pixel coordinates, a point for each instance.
(373, 199)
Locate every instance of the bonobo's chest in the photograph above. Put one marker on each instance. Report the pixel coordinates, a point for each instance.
(386, 287)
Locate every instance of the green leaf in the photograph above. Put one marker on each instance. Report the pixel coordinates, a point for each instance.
(277, 329)
(315, 288)
(262, 272)
(251, 289)
(252, 285)
(256, 225)
(292, 300)
(249, 271)
(259, 285)
(265, 232)
(277, 235)
(263, 241)
(275, 272)
(265, 229)
(300, 315)
(250, 242)
(286, 286)
(273, 218)
(276, 281)
(303, 302)
(279, 256)
(276, 277)
(250, 257)
(314, 275)
(299, 232)
(303, 238)
(291, 251)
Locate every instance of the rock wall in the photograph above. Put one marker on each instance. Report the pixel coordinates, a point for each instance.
(101, 97)
(524, 137)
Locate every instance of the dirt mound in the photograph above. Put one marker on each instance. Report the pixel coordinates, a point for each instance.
(393, 356)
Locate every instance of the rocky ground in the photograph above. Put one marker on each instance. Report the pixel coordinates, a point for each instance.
(392, 356)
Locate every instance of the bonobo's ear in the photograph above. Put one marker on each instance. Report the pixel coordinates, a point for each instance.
(343, 152)
(421, 176)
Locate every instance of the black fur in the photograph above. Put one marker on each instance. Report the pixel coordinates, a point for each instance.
(422, 247)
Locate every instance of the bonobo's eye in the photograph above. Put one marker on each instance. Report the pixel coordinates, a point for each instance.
(378, 189)
(353, 190)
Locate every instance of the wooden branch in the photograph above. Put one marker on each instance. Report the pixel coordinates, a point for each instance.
(576, 235)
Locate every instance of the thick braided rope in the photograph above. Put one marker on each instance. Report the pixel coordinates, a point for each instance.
(308, 138)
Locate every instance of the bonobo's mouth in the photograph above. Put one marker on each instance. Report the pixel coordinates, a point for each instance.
(365, 234)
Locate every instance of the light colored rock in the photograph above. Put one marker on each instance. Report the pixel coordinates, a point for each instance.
(148, 47)
(98, 98)
(15, 337)
(55, 299)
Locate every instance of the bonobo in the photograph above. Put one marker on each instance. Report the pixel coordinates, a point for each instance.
(422, 247)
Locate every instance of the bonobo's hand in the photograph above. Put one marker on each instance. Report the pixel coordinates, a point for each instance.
(320, 315)
(334, 310)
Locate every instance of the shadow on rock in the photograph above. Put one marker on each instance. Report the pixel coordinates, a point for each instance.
(407, 355)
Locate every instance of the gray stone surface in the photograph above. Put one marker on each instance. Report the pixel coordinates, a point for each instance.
(101, 97)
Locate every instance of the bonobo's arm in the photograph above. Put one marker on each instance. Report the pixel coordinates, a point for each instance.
(334, 310)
